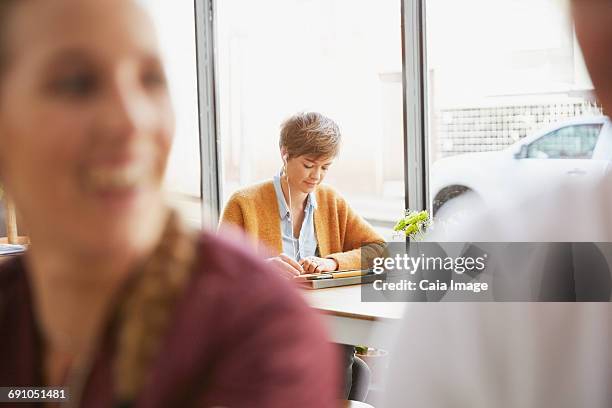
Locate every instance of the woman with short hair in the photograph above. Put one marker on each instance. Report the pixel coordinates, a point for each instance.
(308, 225)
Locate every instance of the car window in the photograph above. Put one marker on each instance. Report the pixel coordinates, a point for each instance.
(570, 142)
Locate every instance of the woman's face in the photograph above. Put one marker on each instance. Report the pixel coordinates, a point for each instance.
(307, 172)
(85, 121)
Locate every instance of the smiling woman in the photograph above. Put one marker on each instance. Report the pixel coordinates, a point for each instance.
(62, 108)
(116, 299)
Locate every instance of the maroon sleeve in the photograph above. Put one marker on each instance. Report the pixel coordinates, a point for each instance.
(244, 337)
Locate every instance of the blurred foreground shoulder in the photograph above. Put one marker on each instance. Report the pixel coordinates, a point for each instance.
(253, 341)
(12, 283)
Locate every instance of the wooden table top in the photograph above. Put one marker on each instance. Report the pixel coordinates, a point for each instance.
(20, 240)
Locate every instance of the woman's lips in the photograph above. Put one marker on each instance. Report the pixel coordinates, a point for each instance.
(117, 178)
(119, 188)
(310, 184)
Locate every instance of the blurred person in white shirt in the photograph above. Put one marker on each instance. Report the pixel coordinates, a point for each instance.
(521, 354)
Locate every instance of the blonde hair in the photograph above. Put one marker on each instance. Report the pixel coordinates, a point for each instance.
(146, 310)
(310, 133)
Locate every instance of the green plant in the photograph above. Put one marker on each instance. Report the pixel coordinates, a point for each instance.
(413, 224)
(360, 349)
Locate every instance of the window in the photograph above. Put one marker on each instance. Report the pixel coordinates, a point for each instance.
(175, 23)
(570, 142)
(496, 73)
(342, 58)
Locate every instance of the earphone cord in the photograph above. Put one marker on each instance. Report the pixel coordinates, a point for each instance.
(296, 253)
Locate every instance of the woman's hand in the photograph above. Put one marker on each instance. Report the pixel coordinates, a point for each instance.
(288, 266)
(313, 264)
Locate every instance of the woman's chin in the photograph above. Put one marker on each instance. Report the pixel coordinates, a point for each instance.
(120, 222)
(118, 202)
(308, 187)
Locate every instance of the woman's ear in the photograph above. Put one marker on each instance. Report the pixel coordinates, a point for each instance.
(284, 154)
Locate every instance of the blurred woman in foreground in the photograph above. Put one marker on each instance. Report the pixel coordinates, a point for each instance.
(115, 298)
(531, 355)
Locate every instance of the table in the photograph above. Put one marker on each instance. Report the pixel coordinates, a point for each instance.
(351, 321)
(355, 404)
(20, 240)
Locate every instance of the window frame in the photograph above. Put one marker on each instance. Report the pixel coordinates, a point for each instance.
(414, 100)
(415, 97)
(210, 146)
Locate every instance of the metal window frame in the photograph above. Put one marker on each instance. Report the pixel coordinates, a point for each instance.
(210, 146)
(414, 82)
(414, 85)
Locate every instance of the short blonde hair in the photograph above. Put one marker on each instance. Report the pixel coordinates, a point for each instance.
(310, 133)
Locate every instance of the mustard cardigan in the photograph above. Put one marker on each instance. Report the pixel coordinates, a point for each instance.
(341, 233)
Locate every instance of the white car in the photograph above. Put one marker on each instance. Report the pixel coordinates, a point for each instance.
(580, 148)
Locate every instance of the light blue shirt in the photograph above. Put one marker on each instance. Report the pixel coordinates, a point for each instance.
(306, 243)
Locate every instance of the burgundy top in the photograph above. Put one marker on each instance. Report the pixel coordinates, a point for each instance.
(241, 337)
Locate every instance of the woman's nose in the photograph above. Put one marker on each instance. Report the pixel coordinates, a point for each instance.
(315, 174)
(127, 111)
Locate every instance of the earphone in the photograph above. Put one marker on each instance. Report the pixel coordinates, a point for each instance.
(296, 253)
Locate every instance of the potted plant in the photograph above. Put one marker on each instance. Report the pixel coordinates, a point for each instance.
(413, 224)
(376, 359)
